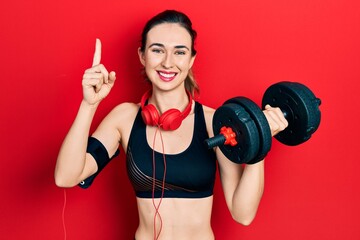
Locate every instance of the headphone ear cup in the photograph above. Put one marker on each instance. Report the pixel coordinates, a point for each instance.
(171, 119)
(150, 115)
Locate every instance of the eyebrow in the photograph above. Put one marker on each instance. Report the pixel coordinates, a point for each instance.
(162, 45)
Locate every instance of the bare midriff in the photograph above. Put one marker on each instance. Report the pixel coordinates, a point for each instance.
(181, 218)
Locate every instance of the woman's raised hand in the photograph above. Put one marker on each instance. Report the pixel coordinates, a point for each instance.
(97, 81)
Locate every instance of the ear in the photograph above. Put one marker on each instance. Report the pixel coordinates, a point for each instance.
(192, 61)
(141, 56)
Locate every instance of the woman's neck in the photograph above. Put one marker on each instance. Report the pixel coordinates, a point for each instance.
(165, 100)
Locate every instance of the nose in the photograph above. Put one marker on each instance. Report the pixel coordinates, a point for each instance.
(167, 61)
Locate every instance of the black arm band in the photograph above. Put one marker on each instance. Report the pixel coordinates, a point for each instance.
(101, 156)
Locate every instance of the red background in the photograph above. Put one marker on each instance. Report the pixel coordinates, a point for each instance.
(311, 191)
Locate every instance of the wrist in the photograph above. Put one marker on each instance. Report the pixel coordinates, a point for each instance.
(88, 109)
(85, 104)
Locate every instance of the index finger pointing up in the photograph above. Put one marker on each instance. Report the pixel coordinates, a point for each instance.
(97, 54)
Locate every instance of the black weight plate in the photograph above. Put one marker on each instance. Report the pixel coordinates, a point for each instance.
(262, 125)
(301, 107)
(313, 104)
(234, 116)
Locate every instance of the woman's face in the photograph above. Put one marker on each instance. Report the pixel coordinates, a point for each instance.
(167, 56)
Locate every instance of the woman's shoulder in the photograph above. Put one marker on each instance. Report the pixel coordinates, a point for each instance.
(124, 112)
(208, 114)
(126, 107)
(208, 111)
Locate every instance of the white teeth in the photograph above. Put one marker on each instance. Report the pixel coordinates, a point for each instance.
(167, 75)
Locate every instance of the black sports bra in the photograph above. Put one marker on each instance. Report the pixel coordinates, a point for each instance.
(189, 174)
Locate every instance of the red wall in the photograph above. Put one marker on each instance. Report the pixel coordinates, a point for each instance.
(311, 192)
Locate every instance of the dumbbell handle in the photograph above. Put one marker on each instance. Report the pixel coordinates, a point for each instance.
(217, 140)
(226, 137)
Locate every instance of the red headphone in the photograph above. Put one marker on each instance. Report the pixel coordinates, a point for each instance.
(169, 120)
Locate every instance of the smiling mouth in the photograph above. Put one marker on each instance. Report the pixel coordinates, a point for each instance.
(167, 76)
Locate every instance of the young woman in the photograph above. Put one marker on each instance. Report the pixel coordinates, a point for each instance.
(170, 168)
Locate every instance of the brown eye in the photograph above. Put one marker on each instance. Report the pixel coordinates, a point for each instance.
(157, 50)
(180, 52)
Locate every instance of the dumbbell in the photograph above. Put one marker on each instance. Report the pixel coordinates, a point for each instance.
(243, 133)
